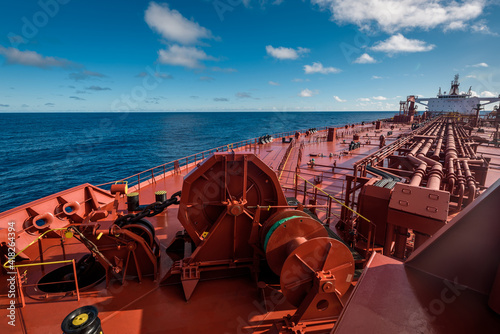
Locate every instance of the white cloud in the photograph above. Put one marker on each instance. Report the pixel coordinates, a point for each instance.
(487, 93)
(318, 68)
(398, 44)
(365, 58)
(173, 26)
(455, 25)
(478, 65)
(299, 80)
(307, 93)
(183, 56)
(338, 99)
(481, 27)
(376, 77)
(364, 99)
(32, 58)
(379, 98)
(395, 15)
(272, 83)
(285, 53)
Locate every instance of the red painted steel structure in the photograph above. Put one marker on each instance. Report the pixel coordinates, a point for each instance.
(271, 239)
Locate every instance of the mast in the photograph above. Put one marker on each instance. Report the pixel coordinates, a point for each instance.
(454, 86)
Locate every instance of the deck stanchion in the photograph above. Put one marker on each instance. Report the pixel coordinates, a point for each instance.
(76, 280)
(40, 251)
(305, 193)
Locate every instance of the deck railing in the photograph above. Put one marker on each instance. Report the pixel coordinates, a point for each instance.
(176, 166)
(10, 265)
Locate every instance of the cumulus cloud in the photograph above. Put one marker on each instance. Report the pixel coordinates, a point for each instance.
(286, 53)
(220, 99)
(379, 98)
(175, 28)
(365, 58)
(364, 99)
(186, 56)
(318, 68)
(273, 83)
(171, 25)
(338, 99)
(307, 93)
(400, 44)
(487, 93)
(395, 15)
(481, 27)
(376, 77)
(32, 58)
(478, 65)
(97, 88)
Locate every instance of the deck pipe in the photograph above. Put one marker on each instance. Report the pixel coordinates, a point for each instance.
(435, 174)
(471, 183)
(417, 157)
(421, 160)
(451, 177)
(461, 184)
(437, 151)
(451, 149)
(467, 143)
(450, 156)
(459, 141)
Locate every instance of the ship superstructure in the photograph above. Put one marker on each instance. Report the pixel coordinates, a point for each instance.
(454, 100)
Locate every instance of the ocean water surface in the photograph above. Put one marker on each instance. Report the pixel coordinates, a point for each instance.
(44, 153)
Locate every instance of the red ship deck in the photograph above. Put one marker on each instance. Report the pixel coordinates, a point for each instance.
(229, 305)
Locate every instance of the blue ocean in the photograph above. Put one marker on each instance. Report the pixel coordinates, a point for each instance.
(44, 153)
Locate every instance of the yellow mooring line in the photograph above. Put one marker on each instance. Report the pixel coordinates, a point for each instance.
(336, 200)
(31, 243)
(284, 165)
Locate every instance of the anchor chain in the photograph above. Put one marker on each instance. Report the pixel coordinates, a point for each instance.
(149, 211)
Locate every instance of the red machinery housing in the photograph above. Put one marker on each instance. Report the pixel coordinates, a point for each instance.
(235, 214)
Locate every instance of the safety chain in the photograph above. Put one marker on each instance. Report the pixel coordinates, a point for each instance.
(149, 211)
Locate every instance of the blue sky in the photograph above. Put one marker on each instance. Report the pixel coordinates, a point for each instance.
(209, 55)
